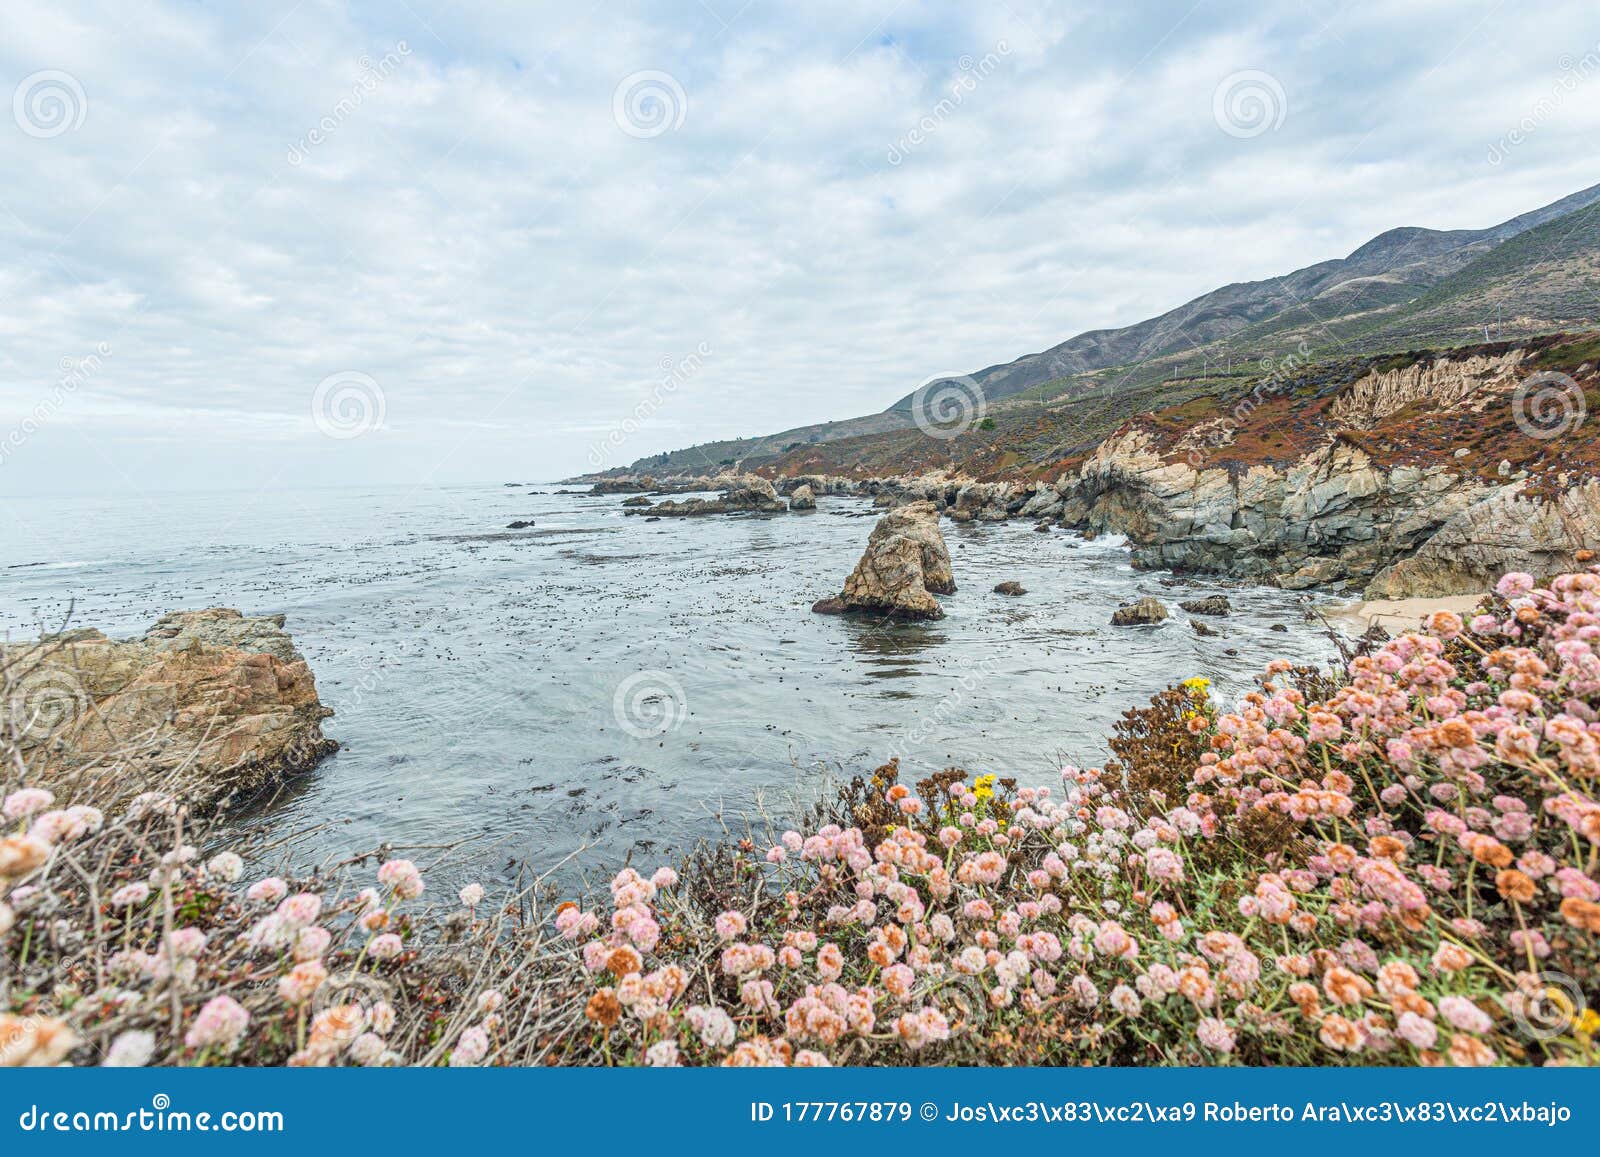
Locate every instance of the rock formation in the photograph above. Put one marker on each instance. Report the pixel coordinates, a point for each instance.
(1210, 605)
(740, 494)
(1145, 610)
(1014, 589)
(214, 701)
(802, 498)
(905, 564)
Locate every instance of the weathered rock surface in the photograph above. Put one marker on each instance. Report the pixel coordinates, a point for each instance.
(1145, 610)
(740, 494)
(1210, 605)
(1504, 532)
(802, 498)
(637, 500)
(905, 564)
(210, 704)
(1014, 589)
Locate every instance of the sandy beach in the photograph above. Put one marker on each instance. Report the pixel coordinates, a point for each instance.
(1395, 615)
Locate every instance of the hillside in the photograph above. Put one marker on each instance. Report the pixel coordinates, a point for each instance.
(1406, 288)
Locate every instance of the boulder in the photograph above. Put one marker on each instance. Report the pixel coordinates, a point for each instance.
(207, 705)
(1201, 629)
(638, 500)
(1145, 610)
(1014, 589)
(520, 524)
(1210, 605)
(905, 564)
(803, 498)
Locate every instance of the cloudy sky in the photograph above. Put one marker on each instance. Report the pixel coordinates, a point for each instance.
(425, 242)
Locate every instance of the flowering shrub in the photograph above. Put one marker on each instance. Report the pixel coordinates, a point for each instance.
(1397, 865)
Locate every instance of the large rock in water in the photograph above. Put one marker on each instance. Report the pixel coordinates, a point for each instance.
(740, 493)
(803, 498)
(905, 564)
(207, 705)
(1146, 610)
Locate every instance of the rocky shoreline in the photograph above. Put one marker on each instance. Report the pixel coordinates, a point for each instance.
(1350, 499)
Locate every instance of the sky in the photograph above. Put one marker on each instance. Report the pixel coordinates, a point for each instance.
(427, 243)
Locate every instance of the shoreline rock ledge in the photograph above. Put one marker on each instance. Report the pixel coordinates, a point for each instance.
(210, 704)
(905, 564)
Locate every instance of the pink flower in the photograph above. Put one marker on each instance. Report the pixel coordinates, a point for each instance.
(220, 1024)
(730, 925)
(311, 943)
(472, 895)
(25, 802)
(1215, 1034)
(301, 909)
(1514, 585)
(130, 894)
(268, 891)
(402, 878)
(1417, 1032)
(470, 1049)
(1465, 1015)
(385, 947)
(297, 986)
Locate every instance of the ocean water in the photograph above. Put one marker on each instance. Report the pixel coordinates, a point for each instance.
(598, 686)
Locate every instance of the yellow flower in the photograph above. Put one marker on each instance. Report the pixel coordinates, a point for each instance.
(1198, 686)
(1589, 1022)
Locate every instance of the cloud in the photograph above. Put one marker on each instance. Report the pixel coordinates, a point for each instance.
(855, 196)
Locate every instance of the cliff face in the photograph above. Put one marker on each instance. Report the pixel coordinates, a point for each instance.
(1395, 492)
(1332, 516)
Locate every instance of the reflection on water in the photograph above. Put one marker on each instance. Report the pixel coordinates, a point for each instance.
(474, 669)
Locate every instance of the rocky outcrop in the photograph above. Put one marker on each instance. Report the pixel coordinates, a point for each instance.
(1011, 588)
(1476, 380)
(1506, 531)
(802, 498)
(1331, 516)
(905, 564)
(638, 500)
(1210, 605)
(747, 493)
(1135, 614)
(211, 704)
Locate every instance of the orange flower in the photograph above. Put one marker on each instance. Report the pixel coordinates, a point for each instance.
(1411, 1002)
(1339, 1033)
(1388, 848)
(1470, 1052)
(1345, 987)
(1305, 995)
(603, 1008)
(1456, 733)
(1583, 914)
(623, 960)
(1514, 885)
